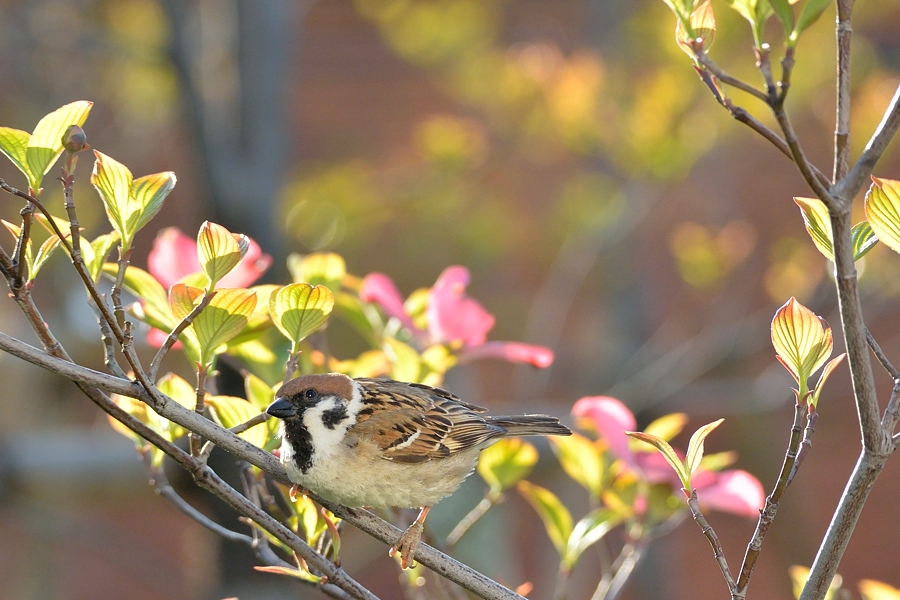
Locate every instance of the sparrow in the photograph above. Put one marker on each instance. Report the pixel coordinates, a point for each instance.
(382, 443)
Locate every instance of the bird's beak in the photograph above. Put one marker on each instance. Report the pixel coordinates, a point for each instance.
(282, 409)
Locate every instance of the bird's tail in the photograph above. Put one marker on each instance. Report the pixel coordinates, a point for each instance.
(531, 425)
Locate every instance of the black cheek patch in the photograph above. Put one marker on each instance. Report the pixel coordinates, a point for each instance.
(333, 417)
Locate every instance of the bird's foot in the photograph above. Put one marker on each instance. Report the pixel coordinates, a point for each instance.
(407, 544)
(297, 490)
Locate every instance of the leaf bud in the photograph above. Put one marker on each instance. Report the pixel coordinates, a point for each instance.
(74, 139)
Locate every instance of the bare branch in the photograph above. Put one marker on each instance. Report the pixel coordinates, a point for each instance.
(843, 32)
(849, 186)
(704, 59)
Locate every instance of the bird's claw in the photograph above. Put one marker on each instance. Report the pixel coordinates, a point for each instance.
(407, 545)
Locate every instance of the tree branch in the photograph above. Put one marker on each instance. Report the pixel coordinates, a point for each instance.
(843, 31)
(362, 519)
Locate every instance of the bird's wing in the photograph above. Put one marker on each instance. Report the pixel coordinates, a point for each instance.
(415, 423)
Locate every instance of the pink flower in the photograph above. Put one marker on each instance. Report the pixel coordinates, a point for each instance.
(378, 288)
(734, 491)
(453, 318)
(174, 257)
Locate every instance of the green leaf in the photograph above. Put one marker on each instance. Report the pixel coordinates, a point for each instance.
(871, 589)
(100, 248)
(667, 426)
(148, 193)
(588, 531)
(695, 446)
(703, 26)
(181, 392)
(405, 362)
(318, 268)
(556, 517)
(113, 181)
(45, 144)
(810, 14)
(301, 574)
(864, 239)
(230, 411)
(219, 251)
(818, 224)
(16, 232)
(829, 367)
(668, 453)
(43, 253)
(13, 143)
(299, 309)
(717, 461)
(785, 14)
(505, 463)
(581, 460)
(258, 391)
(359, 315)
(883, 211)
(802, 340)
(227, 314)
(182, 299)
(129, 203)
(142, 284)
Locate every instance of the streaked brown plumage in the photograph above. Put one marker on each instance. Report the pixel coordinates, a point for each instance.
(378, 442)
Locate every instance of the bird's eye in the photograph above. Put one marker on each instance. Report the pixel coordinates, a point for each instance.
(310, 394)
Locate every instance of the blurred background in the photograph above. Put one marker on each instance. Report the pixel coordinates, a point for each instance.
(565, 152)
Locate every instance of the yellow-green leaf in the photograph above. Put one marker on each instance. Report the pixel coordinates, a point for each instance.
(505, 463)
(181, 392)
(100, 248)
(695, 446)
(581, 460)
(589, 530)
(877, 590)
(13, 143)
(405, 362)
(299, 309)
(227, 314)
(182, 300)
(230, 411)
(801, 339)
(667, 426)
(864, 239)
(668, 453)
(45, 144)
(810, 14)
(829, 367)
(113, 181)
(318, 268)
(883, 211)
(556, 517)
(703, 26)
(148, 193)
(818, 224)
(219, 251)
(718, 460)
(301, 574)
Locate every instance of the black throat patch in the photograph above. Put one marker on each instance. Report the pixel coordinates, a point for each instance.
(301, 442)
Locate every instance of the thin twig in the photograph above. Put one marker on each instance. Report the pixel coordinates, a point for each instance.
(19, 259)
(767, 514)
(116, 293)
(199, 408)
(704, 59)
(471, 518)
(710, 534)
(881, 356)
(811, 417)
(891, 415)
(803, 165)
(173, 336)
(107, 338)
